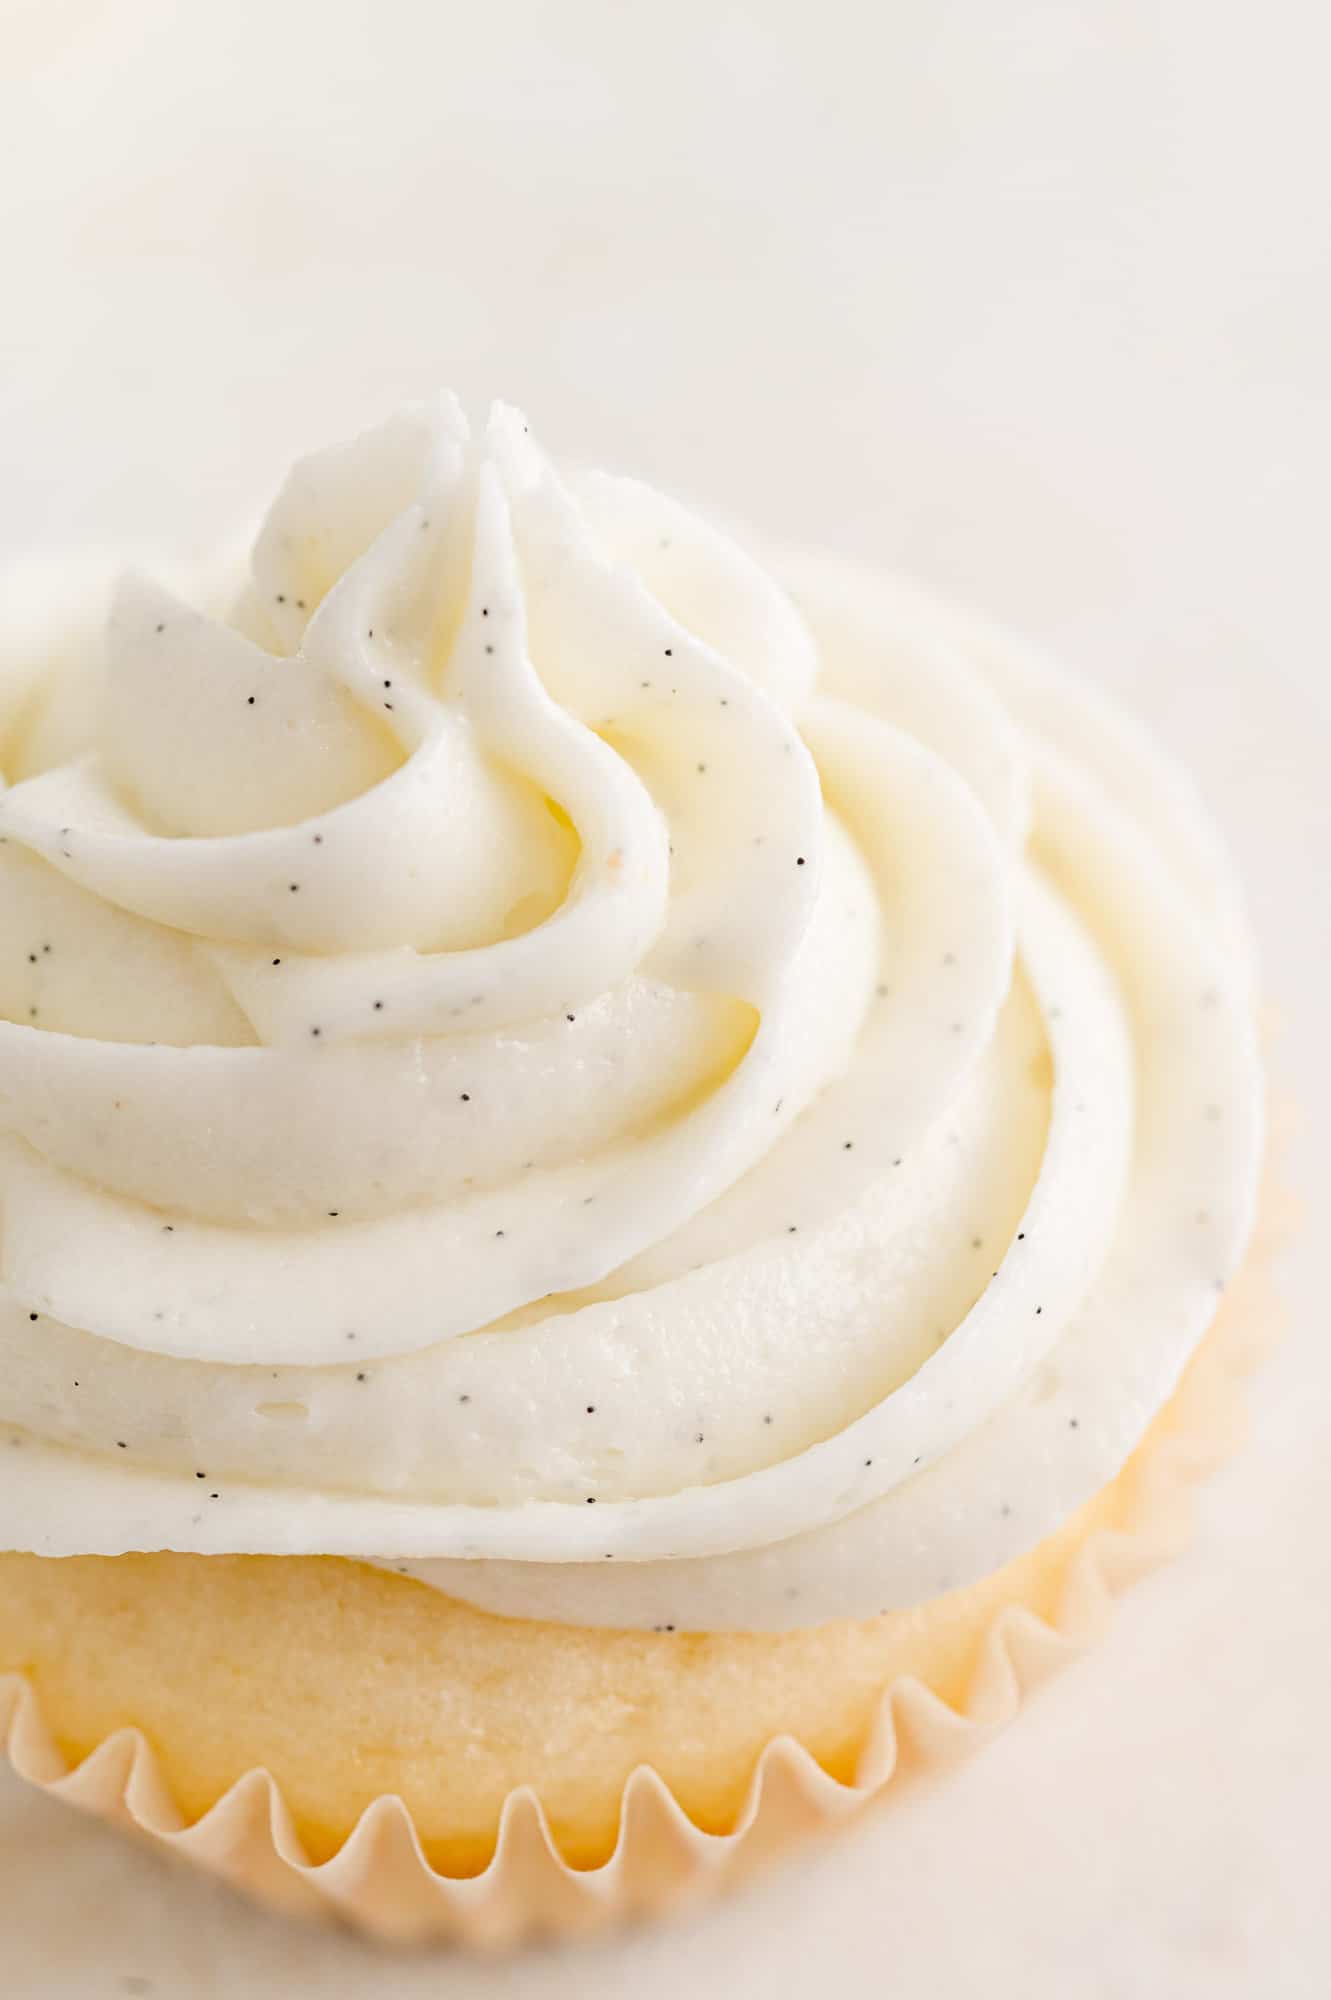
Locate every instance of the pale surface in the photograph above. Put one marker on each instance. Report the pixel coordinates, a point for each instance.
(1032, 299)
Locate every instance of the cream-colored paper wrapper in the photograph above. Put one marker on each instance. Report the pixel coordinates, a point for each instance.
(380, 1880)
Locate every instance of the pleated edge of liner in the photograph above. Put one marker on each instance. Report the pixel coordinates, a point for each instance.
(381, 1882)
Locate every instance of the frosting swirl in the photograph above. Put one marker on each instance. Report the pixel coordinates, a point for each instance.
(527, 1058)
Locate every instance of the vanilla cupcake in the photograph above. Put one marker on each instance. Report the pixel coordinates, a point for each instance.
(607, 1174)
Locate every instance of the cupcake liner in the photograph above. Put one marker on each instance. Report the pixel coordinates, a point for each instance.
(380, 1880)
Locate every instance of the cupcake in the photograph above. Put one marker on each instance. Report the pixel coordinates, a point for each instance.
(619, 1167)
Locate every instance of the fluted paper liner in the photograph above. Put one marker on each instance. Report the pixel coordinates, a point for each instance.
(381, 1881)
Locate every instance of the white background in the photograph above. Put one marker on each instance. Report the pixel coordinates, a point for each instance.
(1034, 298)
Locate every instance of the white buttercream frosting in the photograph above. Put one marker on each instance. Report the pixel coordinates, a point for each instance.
(526, 1057)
